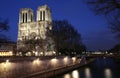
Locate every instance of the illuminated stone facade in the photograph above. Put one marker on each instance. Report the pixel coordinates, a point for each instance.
(7, 49)
(28, 28)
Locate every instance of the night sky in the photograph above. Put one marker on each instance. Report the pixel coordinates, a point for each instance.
(94, 29)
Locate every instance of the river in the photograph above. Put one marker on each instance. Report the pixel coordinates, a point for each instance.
(101, 68)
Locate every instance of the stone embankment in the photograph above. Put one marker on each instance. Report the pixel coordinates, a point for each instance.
(38, 67)
(60, 70)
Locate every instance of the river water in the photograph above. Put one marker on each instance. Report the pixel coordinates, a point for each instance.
(101, 68)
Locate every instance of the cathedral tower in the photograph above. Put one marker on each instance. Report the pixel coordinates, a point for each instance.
(30, 29)
(26, 15)
(44, 20)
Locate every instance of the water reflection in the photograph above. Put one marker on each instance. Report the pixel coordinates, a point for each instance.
(87, 73)
(101, 68)
(108, 73)
(6, 65)
(75, 74)
(67, 76)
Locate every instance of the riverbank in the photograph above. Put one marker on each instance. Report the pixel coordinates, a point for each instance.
(16, 67)
(41, 67)
(26, 58)
(59, 70)
(100, 68)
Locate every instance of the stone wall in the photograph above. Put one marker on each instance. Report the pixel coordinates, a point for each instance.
(26, 67)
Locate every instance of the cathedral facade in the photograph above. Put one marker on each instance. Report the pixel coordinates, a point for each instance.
(28, 28)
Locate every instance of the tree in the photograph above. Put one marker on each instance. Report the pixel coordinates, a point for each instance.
(115, 49)
(67, 39)
(23, 50)
(111, 10)
(32, 44)
(3, 27)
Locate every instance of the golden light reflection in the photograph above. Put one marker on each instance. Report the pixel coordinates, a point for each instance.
(108, 73)
(65, 60)
(54, 60)
(75, 74)
(36, 61)
(67, 76)
(87, 73)
(73, 59)
(6, 65)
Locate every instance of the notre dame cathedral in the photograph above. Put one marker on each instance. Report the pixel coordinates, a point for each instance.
(28, 29)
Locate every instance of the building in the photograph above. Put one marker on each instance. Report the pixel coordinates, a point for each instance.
(28, 29)
(7, 48)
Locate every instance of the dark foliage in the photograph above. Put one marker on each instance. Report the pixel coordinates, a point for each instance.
(32, 43)
(111, 10)
(115, 49)
(67, 39)
(4, 27)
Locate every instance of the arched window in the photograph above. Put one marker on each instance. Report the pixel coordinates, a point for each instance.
(40, 15)
(31, 18)
(26, 17)
(43, 15)
(23, 17)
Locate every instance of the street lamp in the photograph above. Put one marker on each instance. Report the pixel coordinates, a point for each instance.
(41, 53)
(7, 61)
(54, 52)
(36, 53)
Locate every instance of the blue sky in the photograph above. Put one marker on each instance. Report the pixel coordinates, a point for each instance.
(94, 29)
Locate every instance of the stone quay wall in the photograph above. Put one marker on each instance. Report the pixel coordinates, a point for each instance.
(28, 67)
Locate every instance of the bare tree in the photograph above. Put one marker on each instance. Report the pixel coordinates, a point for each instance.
(67, 39)
(110, 9)
(3, 27)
